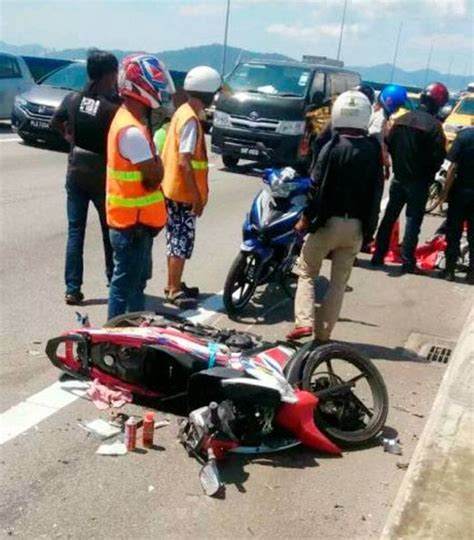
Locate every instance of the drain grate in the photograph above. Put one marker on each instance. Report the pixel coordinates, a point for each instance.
(439, 355)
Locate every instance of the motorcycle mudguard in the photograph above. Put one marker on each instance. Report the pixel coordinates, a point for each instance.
(298, 418)
(252, 245)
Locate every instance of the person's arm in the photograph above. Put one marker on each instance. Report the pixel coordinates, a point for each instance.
(135, 147)
(60, 120)
(187, 146)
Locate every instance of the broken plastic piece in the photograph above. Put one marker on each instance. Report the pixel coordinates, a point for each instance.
(392, 446)
(101, 428)
(117, 448)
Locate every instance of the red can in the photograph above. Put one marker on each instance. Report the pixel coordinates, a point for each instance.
(148, 428)
(131, 434)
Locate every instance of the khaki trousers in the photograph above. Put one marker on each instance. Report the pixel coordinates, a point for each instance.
(343, 238)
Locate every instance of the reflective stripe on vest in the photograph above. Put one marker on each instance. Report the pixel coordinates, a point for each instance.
(124, 176)
(136, 202)
(199, 165)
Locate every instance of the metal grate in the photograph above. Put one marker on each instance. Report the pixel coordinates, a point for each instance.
(439, 355)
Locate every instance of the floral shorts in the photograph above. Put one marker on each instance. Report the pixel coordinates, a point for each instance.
(180, 230)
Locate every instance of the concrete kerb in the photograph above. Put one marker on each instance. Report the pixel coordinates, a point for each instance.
(436, 496)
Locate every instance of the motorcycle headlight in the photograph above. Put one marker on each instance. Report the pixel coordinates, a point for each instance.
(20, 101)
(291, 128)
(449, 128)
(221, 119)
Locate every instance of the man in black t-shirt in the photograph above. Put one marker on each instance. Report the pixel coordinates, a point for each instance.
(459, 191)
(84, 119)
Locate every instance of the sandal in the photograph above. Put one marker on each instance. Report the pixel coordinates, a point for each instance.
(192, 292)
(181, 300)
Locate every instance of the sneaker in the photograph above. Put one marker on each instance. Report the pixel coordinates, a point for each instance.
(73, 299)
(299, 333)
(377, 262)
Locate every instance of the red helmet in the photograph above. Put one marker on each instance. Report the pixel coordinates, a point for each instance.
(145, 78)
(435, 94)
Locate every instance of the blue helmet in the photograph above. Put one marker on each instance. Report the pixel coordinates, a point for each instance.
(392, 97)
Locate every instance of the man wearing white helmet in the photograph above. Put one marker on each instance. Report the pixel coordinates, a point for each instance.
(341, 212)
(185, 182)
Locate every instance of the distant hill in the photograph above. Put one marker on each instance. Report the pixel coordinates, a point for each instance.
(184, 59)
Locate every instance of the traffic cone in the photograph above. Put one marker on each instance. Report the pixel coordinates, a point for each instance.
(394, 253)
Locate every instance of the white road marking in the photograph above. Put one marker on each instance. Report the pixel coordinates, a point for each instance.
(10, 139)
(33, 410)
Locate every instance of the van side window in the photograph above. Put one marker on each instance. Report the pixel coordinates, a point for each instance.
(9, 68)
(318, 83)
(337, 84)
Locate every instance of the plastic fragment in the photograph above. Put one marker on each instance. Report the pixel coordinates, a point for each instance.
(392, 446)
(115, 449)
(101, 428)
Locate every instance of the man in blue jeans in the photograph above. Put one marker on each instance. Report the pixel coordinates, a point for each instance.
(416, 144)
(84, 119)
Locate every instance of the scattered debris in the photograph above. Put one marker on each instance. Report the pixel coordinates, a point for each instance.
(392, 446)
(162, 423)
(418, 415)
(151, 488)
(338, 506)
(104, 397)
(400, 408)
(363, 518)
(115, 449)
(34, 352)
(250, 531)
(101, 428)
(403, 466)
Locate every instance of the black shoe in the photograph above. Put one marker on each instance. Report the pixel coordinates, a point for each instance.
(181, 300)
(377, 262)
(192, 292)
(448, 275)
(470, 277)
(73, 299)
(414, 270)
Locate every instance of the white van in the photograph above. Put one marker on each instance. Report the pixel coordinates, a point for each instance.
(15, 77)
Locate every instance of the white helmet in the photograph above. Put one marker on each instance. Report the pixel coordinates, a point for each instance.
(351, 109)
(202, 79)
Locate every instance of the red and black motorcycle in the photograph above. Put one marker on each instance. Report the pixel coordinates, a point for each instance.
(243, 395)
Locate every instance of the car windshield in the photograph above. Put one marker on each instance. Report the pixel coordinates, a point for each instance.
(466, 107)
(71, 77)
(270, 79)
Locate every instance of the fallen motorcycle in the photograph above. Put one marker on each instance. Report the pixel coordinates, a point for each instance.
(243, 394)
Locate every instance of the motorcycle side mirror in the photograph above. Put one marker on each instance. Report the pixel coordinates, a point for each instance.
(210, 479)
(445, 112)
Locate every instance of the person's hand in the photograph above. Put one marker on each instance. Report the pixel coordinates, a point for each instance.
(150, 184)
(302, 225)
(444, 196)
(198, 205)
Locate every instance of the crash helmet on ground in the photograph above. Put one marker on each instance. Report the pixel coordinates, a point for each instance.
(351, 110)
(203, 82)
(434, 96)
(392, 97)
(144, 77)
(367, 90)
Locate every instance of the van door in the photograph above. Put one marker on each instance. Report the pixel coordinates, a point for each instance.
(11, 84)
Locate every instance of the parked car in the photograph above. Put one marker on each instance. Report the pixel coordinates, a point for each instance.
(41, 66)
(15, 77)
(277, 104)
(34, 109)
(461, 116)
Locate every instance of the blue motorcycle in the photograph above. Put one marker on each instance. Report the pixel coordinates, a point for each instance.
(270, 244)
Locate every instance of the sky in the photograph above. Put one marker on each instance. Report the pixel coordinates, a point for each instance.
(291, 27)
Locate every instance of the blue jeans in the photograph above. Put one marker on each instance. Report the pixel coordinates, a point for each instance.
(132, 269)
(414, 196)
(77, 207)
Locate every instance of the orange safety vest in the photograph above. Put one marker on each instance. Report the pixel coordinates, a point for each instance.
(128, 202)
(174, 185)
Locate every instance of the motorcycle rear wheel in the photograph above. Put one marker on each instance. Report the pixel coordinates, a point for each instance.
(241, 282)
(341, 415)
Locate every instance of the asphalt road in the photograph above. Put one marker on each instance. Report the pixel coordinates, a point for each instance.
(53, 483)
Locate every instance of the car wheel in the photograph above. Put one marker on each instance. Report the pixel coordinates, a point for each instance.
(230, 161)
(27, 139)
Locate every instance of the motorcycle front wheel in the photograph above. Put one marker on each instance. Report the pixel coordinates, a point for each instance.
(353, 397)
(241, 282)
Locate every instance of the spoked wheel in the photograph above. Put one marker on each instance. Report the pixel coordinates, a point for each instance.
(433, 197)
(353, 397)
(241, 282)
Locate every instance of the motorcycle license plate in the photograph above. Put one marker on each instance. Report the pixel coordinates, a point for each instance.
(253, 152)
(39, 124)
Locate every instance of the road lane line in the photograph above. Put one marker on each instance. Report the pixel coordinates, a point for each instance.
(16, 139)
(33, 410)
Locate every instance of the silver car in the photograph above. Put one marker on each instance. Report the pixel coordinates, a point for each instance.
(15, 78)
